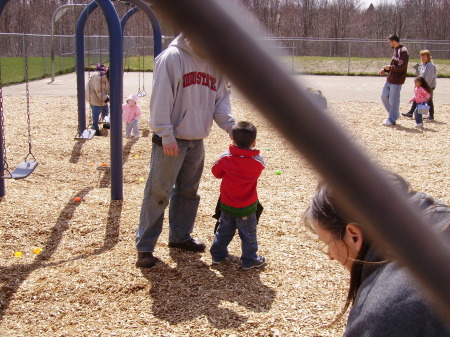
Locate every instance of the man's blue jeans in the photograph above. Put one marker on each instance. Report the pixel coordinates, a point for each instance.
(177, 178)
(390, 96)
(96, 112)
(225, 232)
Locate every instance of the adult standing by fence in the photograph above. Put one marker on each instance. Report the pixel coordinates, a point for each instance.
(428, 71)
(390, 96)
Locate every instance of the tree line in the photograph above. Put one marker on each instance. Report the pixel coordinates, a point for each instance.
(410, 19)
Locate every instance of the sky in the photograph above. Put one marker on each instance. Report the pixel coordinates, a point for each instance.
(366, 3)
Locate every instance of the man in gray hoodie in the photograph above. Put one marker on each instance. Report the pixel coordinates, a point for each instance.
(188, 95)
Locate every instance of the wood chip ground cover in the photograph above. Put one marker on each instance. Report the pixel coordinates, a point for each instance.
(84, 282)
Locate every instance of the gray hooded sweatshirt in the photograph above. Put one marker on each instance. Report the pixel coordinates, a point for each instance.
(188, 95)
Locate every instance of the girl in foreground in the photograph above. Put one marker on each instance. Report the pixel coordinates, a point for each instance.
(384, 297)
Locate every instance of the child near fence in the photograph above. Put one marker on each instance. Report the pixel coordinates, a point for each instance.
(130, 116)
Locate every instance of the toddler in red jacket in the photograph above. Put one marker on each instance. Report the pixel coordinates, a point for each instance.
(239, 168)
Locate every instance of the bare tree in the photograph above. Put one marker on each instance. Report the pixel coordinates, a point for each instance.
(418, 19)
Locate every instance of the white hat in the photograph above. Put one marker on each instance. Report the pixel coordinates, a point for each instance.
(133, 98)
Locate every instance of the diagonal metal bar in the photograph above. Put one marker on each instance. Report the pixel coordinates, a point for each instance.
(363, 188)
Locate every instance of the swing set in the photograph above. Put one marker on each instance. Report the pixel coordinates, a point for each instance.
(25, 168)
(139, 50)
(29, 164)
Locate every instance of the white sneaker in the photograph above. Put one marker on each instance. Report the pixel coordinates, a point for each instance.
(387, 122)
(419, 125)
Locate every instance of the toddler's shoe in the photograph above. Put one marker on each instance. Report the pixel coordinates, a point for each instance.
(260, 262)
(214, 262)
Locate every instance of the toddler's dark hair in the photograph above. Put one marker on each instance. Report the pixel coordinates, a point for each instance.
(423, 83)
(244, 134)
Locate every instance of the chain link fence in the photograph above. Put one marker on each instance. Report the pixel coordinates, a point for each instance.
(355, 56)
(300, 55)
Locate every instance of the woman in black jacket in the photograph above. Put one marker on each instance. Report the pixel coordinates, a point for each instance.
(384, 297)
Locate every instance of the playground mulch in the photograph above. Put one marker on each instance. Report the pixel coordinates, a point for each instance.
(76, 275)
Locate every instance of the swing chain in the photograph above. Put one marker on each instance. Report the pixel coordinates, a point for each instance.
(27, 86)
(139, 73)
(2, 122)
(5, 161)
(142, 55)
(143, 92)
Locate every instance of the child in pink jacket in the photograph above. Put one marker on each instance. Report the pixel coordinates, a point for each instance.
(130, 116)
(421, 95)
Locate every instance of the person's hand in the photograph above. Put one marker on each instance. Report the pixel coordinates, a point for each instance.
(171, 149)
(381, 72)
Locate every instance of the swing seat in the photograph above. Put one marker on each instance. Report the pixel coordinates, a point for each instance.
(86, 134)
(23, 170)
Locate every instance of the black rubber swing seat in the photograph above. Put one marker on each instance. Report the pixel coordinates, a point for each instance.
(23, 170)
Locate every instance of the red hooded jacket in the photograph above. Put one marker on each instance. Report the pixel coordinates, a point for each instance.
(239, 170)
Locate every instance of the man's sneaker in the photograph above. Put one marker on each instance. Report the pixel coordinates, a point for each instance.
(193, 245)
(430, 118)
(387, 122)
(260, 261)
(407, 114)
(145, 260)
(419, 125)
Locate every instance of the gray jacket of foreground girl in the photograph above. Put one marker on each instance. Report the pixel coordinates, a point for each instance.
(390, 302)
